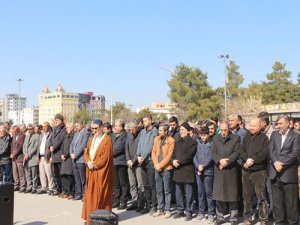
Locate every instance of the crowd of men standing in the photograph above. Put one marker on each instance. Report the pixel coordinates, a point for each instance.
(210, 168)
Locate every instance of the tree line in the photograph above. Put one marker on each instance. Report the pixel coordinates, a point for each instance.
(196, 99)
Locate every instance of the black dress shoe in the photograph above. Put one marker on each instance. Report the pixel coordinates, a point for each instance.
(132, 207)
(41, 191)
(77, 198)
(16, 188)
(22, 190)
(188, 217)
(219, 222)
(116, 204)
(56, 193)
(33, 191)
(28, 190)
(145, 210)
(122, 206)
(140, 208)
(50, 192)
(178, 215)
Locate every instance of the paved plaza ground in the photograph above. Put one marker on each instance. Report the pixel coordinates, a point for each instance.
(32, 209)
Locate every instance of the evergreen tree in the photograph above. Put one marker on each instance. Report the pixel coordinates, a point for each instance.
(194, 97)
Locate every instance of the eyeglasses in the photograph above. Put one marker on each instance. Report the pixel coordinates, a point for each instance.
(94, 128)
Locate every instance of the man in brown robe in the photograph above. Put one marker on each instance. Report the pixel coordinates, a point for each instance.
(100, 172)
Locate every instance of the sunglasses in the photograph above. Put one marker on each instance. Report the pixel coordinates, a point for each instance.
(94, 128)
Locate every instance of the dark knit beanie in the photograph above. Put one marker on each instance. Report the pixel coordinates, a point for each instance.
(186, 126)
(59, 116)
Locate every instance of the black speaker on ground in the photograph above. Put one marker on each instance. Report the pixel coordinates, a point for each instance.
(103, 217)
(6, 204)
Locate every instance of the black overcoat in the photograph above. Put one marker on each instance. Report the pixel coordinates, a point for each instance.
(184, 151)
(226, 180)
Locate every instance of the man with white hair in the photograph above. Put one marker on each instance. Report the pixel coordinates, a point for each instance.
(225, 153)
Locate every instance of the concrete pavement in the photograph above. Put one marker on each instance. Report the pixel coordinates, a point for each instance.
(33, 209)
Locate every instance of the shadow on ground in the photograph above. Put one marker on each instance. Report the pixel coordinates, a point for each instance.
(33, 223)
(126, 215)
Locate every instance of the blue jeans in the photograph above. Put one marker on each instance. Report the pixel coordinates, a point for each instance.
(163, 190)
(205, 190)
(6, 170)
(185, 189)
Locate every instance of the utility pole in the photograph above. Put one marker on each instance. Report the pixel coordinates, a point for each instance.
(19, 99)
(224, 58)
(111, 110)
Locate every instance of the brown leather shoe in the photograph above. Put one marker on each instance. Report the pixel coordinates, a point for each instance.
(61, 195)
(70, 197)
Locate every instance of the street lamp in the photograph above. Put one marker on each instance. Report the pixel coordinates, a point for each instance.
(111, 109)
(19, 99)
(224, 58)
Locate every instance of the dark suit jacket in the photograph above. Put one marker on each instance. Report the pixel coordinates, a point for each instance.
(17, 148)
(78, 145)
(286, 154)
(56, 139)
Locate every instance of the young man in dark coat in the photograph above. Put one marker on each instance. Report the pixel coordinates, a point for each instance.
(225, 153)
(204, 168)
(66, 170)
(184, 172)
(254, 155)
(55, 142)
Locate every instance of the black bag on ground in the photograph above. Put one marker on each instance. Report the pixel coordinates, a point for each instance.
(103, 217)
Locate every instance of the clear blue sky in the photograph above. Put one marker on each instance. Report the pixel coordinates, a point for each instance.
(116, 47)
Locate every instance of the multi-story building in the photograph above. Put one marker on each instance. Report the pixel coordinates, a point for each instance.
(66, 103)
(162, 108)
(2, 110)
(59, 101)
(30, 115)
(11, 107)
(96, 104)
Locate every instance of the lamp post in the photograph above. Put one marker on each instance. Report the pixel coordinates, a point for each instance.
(111, 109)
(224, 58)
(19, 99)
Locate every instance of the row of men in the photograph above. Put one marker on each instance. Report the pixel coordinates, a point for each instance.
(148, 160)
(152, 162)
(52, 159)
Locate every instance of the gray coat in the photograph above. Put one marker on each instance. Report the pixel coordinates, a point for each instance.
(131, 147)
(30, 147)
(5, 150)
(226, 180)
(79, 144)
